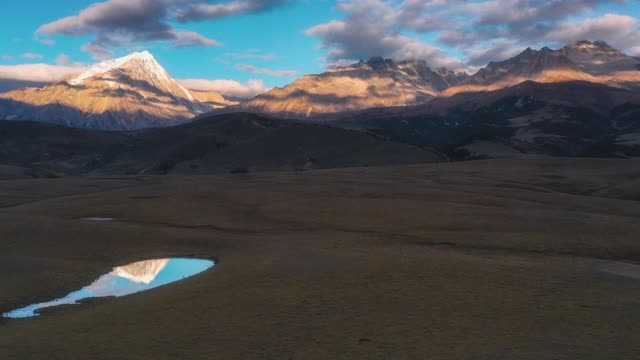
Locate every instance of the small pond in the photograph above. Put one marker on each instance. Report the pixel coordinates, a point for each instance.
(125, 280)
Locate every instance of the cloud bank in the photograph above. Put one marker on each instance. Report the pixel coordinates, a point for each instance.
(467, 34)
(116, 23)
(39, 72)
(228, 88)
(257, 70)
(203, 11)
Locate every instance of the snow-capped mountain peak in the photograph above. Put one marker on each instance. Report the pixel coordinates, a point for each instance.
(109, 65)
(127, 93)
(136, 67)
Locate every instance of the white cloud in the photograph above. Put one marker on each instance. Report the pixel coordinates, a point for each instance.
(480, 30)
(121, 23)
(47, 41)
(98, 52)
(203, 10)
(486, 52)
(31, 56)
(190, 38)
(39, 72)
(373, 28)
(621, 31)
(228, 88)
(256, 70)
(251, 54)
(63, 59)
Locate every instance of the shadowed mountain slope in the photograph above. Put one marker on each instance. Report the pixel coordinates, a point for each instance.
(226, 143)
(528, 119)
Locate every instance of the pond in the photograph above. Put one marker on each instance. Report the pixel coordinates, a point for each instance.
(125, 280)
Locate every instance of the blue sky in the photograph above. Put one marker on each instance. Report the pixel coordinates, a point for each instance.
(275, 41)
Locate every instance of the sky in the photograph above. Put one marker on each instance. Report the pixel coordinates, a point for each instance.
(242, 47)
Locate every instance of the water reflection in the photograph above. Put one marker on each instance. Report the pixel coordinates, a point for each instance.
(98, 218)
(125, 280)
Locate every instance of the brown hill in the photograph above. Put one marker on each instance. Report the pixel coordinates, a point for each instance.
(226, 143)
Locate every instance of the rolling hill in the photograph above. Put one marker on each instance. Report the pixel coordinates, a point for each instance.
(221, 144)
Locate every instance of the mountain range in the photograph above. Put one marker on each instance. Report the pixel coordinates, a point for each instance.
(135, 92)
(385, 83)
(375, 83)
(580, 100)
(595, 62)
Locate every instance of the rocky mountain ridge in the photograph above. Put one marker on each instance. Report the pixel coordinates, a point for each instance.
(380, 83)
(135, 92)
(594, 62)
(377, 82)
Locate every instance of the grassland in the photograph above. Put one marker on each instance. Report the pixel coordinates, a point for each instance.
(477, 260)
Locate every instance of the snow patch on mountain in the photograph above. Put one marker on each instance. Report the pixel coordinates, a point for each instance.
(109, 65)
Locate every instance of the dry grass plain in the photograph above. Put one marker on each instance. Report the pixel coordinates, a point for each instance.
(477, 260)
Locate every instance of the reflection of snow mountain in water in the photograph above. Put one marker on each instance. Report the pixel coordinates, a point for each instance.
(141, 272)
(125, 280)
